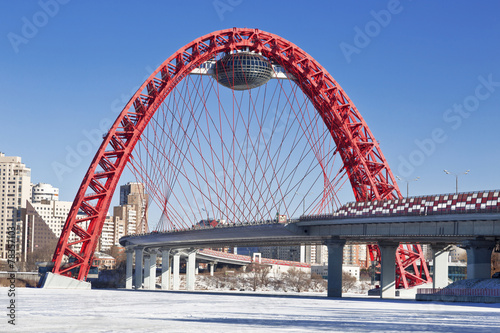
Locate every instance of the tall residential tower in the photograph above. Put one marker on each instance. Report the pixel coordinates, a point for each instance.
(133, 209)
(15, 183)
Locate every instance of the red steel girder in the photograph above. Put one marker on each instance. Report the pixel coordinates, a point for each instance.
(407, 255)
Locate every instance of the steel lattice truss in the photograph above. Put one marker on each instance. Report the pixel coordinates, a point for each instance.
(174, 116)
(411, 266)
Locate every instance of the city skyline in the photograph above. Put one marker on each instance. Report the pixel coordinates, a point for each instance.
(428, 92)
(34, 217)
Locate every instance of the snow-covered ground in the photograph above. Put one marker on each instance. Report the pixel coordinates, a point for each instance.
(45, 310)
(476, 284)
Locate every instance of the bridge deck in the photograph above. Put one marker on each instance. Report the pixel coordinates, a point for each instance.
(449, 218)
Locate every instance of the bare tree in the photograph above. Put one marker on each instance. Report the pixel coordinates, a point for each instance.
(40, 254)
(495, 262)
(117, 252)
(254, 276)
(348, 282)
(318, 283)
(258, 275)
(297, 279)
(263, 272)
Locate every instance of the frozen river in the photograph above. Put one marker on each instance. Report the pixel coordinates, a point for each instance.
(42, 310)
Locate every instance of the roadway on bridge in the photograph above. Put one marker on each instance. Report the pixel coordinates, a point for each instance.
(438, 228)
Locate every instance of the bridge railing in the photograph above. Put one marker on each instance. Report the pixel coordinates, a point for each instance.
(361, 214)
(458, 203)
(265, 261)
(459, 292)
(219, 226)
(226, 255)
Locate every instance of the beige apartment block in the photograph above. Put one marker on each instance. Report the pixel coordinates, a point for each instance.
(15, 191)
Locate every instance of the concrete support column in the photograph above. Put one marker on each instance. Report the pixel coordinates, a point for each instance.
(191, 270)
(479, 258)
(147, 271)
(165, 269)
(440, 269)
(152, 271)
(176, 266)
(388, 269)
(335, 259)
(212, 268)
(128, 269)
(302, 253)
(138, 268)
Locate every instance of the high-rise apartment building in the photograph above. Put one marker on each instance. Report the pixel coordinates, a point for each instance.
(356, 255)
(37, 235)
(44, 219)
(32, 217)
(46, 216)
(15, 185)
(133, 209)
(53, 213)
(292, 253)
(353, 255)
(42, 191)
(112, 230)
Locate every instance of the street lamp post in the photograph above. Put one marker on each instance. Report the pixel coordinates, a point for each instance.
(303, 201)
(203, 209)
(456, 177)
(407, 184)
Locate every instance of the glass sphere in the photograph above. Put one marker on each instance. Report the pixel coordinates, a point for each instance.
(243, 70)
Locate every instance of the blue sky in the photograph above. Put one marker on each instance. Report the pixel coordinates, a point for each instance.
(425, 76)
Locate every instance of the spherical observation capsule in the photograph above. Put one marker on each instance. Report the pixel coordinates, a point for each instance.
(243, 70)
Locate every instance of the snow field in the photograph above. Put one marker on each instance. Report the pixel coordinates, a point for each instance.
(44, 310)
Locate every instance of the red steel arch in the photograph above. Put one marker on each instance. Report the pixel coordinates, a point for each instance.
(366, 167)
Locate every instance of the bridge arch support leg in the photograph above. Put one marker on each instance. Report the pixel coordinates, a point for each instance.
(387, 269)
(335, 259)
(479, 258)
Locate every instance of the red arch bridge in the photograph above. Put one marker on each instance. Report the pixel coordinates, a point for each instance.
(241, 124)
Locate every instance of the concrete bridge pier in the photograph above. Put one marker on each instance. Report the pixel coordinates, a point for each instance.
(191, 270)
(165, 269)
(440, 260)
(176, 267)
(479, 258)
(128, 268)
(138, 268)
(152, 271)
(387, 269)
(335, 259)
(212, 267)
(147, 271)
